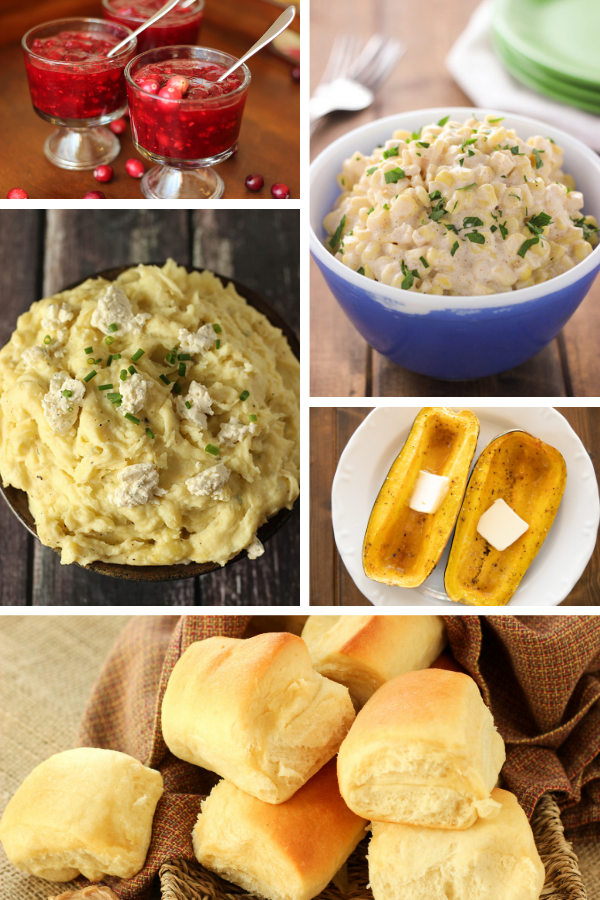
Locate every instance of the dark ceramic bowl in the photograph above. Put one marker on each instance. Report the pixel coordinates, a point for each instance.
(18, 501)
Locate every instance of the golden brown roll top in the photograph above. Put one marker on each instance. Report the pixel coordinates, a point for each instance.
(422, 751)
(255, 711)
(363, 652)
(85, 811)
(288, 851)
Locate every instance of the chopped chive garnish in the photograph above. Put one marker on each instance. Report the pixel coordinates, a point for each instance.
(394, 175)
(98, 361)
(210, 448)
(391, 151)
(252, 417)
(218, 344)
(132, 370)
(108, 339)
(67, 393)
(150, 433)
(454, 248)
(360, 270)
(90, 375)
(114, 326)
(217, 327)
(188, 405)
(176, 389)
(171, 358)
(527, 244)
(115, 395)
(47, 339)
(89, 349)
(115, 356)
(133, 419)
(467, 186)
(476, 237)
(443, 121)
(422, 258)
(371, 170)
(336, 237)
(137, 355)
(184, 356)
(495, 121)
(423, 144)
(109, 360)
(123, 374)
(164, 379)
(244, 395)
(472, 222)
(116, 402)
(494, 228)
(181, 368)
(105, 387)
(436, 195)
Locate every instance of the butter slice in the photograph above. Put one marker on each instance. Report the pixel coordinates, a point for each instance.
(429, 492)
(501, 526)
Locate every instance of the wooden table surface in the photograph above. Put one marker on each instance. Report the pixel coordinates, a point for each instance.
(342, 363)
(330, 431)
(269, 138)
(43, 252)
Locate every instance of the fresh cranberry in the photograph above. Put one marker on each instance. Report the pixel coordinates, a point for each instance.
(149, 85)
(103, 173)
(94, 195)
(17, 194)
(254, 182)
(295, 73)
(280, 191)
(170, 93)
(177, 83)
(134, 167)
(119, 126)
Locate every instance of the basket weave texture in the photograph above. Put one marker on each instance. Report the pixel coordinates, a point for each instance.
(182, 880)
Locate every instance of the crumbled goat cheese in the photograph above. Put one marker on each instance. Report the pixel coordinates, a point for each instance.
(210, 482)
(133, 394)
(61, 411)
(114, 308)
(199, 341)
(200, 404)
(57, 316)
(233, 431)
(139, 485)
(33, 355)
(255, 548)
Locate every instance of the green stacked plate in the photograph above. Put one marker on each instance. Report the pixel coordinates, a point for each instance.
(553, 47)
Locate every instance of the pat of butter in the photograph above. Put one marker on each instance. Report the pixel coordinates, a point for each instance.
(429, 492)
(501, 526)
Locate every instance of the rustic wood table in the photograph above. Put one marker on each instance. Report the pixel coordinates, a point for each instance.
(43, 252)
(269, 138)
(330, 431)
(342, 363)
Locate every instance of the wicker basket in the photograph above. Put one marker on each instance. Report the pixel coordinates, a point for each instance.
(188, 881)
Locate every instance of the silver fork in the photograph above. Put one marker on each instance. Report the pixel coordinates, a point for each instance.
(353, 73)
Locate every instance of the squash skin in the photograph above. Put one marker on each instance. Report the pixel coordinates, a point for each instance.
(530, 476)
(401, 546)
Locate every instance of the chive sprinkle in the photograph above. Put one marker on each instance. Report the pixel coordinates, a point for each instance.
(47, 339)
(137, 355)
(360, 271)
(454, 248)
(105, 387)
(495, 121)
(467, 186)
(210, 448)
(371, 170)
(422, 258)
(391, 151)
(476, 237)
(253, 418)
(113, 326)
(394, 175)
(164, 379)
(181, 368)
(218, 344)
(133, 419)
(109, 339)
(217, 327)
(89, 349)
(244, 395)
(115, 356)
(114, 395)
(90, 375)
(336, 237)
(184, 356)
(150, 433)
(123, 374)
(109, 360)
(116, 402)
(171, 358)
(188, 405)
(443, 121)
(176, 389)
(132, 370)
(66, 393)
(527, 244)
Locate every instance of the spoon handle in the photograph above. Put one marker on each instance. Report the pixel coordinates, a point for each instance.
(279, 25)
(157, 15)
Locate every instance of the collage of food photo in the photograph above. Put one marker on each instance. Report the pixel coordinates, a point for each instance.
(253, 245)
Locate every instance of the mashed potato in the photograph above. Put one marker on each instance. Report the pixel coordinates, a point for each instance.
(460, 208)
(152, 420)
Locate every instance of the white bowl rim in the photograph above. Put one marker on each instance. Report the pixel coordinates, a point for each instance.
(406, 299)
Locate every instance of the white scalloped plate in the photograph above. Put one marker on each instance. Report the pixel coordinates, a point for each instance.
(371, 451)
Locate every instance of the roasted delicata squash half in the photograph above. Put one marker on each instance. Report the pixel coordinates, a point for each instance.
(419, 501)
(516, 486)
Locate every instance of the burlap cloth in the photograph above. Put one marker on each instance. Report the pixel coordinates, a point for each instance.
(539, 674)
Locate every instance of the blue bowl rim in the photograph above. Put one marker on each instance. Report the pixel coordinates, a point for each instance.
(435, 302)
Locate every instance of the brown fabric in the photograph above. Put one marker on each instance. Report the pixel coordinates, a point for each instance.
(538, 674)
(540, 677)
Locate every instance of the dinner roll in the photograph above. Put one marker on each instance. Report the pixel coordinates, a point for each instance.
(255, 711)
(85, 811)
(422, 751)
(364, 651)
(496, 857)
(286, 852)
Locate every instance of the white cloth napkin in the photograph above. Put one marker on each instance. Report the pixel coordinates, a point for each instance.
(475, 66)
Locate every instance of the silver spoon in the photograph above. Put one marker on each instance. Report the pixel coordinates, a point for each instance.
(279, 25)
(169, 5)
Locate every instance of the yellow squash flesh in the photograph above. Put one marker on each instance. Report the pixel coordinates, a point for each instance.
(402, 546)
(530, 476)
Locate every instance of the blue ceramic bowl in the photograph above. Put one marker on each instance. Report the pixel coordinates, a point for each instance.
(452, 338)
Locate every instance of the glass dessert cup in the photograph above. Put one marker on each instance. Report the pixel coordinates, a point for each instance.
(182, 120)
(180, 26)
(75, 86)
